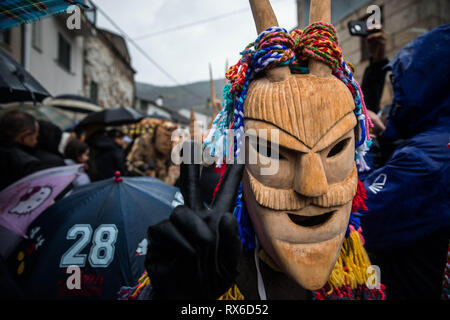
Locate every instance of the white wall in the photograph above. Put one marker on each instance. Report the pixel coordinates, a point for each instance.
(44, 66)
(151, 109)
(201, 118)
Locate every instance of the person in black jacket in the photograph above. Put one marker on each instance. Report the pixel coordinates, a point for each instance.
(107, 156)
(48, 141)
(18, 138)
(374, 76)
(407, 224)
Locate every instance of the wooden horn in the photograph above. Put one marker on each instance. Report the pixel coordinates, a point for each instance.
(320, 10)
(211, 87)
(226, 69)
(265, 18)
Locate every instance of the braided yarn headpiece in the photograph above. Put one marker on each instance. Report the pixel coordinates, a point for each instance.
(276, 47)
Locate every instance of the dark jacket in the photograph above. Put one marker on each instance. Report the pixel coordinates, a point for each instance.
(408, 222)
(106, 157)
(16, 162)
(48, 142)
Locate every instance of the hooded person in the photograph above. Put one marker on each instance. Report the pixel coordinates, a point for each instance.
(407, 225)
(48, 142)
(106, 156)
(19, 134)
(281, 225)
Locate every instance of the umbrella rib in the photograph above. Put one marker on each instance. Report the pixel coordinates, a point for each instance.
(154, 191)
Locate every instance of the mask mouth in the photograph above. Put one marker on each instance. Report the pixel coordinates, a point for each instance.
(311, 221)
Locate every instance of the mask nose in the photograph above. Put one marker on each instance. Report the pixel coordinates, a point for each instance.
(310, 178)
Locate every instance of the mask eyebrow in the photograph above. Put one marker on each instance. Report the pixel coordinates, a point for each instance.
(336, 132)
(285, 139)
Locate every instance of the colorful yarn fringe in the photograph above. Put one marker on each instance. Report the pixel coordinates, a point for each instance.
(246, 232)
(359, 198)
(132, 293)
(349, 276)
(319, 42)
(347, 293)
(232, 294)
(276, 47)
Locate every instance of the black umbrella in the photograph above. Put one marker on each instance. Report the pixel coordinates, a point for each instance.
(113, 117)
(16, 84)
(101, 228)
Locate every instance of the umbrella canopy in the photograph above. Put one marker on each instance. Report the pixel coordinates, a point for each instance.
(100, 228)
(42, 112)
(113, 117)
(15, 12)
(16, 84)
(26, 199)
(74, 103)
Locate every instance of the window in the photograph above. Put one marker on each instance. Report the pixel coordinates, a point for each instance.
(36, 35)
(94, 92)
(64, 49)
(5, 37)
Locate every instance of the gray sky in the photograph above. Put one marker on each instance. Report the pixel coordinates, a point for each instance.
(185, 53)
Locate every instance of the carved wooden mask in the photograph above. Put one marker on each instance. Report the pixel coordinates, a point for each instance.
(301, 213)
(163, 135)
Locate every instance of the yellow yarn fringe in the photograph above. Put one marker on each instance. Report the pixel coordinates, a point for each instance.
(232, 294)
(350, 269)
(351, 266)
(143, 282)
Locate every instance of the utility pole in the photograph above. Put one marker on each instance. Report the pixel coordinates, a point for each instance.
(300, 9)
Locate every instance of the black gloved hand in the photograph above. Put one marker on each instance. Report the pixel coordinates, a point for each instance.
(195, 253)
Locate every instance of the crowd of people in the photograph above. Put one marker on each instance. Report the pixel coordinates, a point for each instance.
(28, 145)
(407, 220)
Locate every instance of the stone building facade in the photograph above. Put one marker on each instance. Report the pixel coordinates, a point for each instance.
(108, 77)
(88, 62)
(403, 21)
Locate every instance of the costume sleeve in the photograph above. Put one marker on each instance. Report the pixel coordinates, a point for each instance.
(400, 197)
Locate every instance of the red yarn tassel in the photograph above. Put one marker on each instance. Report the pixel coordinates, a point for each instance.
(221, 171)
(360, 197)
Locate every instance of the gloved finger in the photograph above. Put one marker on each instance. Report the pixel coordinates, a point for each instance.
(165, 236)
(229, 246)
(190, 175)
(226, 195)
(191, 225)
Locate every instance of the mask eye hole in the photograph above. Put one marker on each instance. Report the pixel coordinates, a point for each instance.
(338, 148)
(270, 150)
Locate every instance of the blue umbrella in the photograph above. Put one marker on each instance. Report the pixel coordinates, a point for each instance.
(101, 228)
